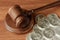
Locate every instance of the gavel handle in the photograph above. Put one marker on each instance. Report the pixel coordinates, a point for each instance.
(54, 4)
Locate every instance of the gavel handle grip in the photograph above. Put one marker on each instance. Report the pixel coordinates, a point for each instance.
(54, 4)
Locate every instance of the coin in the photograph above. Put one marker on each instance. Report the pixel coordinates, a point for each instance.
(39, 17)
(42, 21)
(36, 29)
(56, 38)
(57, 30)
(43, 24)
(44, 39)
(36, 36)
(49, 33)
(54, 19)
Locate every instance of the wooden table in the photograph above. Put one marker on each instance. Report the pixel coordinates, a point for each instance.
(26, 4)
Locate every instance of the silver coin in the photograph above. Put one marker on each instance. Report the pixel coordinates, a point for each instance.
(56, 38)
(42, 21)
(49, 33)
(57, 30)
(39, 17)
(44, 38)
(53, 19)
(36, 29)
(36, 36)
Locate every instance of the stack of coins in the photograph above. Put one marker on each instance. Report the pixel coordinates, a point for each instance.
(36, 34)
(39, 34)
(43, 29)
(54, 20)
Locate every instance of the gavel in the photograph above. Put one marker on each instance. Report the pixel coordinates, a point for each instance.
(18, 16)
(22, 17)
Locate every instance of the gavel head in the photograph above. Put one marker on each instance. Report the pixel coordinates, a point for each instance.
(17, 15)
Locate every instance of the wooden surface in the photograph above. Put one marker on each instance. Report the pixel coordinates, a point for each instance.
(26, 4)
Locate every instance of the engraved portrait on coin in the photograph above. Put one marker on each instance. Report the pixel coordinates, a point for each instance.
(42, 21)
(35, 36)
(39, 17)
(36, 29)
(49, 33)
(53, 19)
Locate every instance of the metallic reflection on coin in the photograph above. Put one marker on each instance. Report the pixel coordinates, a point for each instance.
(57, 30)
(56, 38)
(53, 19)
(36, 36)
(36, 29)
(49, 33)
(44, 39)
(42, 21)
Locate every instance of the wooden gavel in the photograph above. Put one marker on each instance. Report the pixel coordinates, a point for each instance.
(18, 16)
(22, 17)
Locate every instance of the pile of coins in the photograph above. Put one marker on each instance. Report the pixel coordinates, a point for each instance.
(46, 28)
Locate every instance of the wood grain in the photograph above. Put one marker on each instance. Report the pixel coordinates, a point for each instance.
(26, 4)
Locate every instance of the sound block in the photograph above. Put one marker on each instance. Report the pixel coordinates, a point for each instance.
(10, 25)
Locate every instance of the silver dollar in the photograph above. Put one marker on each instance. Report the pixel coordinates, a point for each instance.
(39, 17)
(53, 19)
(36, 36)
(36, 29)
(42, 21)
(49, 33)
